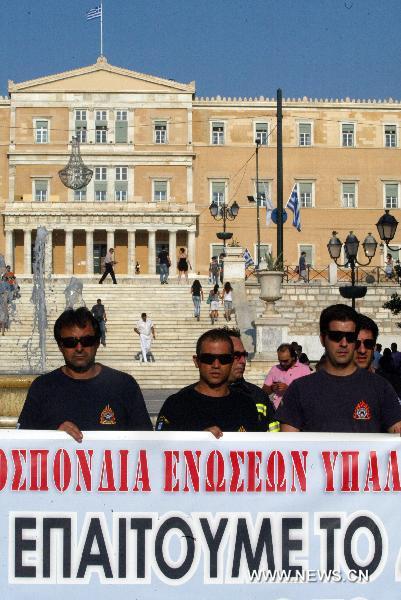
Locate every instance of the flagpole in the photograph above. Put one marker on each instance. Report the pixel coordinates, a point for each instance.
(280, 232)
(101, 29)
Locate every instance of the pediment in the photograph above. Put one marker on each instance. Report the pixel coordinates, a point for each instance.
(101, 77)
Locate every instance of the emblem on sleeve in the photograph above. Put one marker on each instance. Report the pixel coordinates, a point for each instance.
(107, 416)
(362, 412)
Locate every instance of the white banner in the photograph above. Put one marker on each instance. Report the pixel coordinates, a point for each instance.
(180, 515)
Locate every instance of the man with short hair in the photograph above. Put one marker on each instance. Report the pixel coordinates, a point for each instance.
(214, 271)
(109, 263)
(340, 397)
(210, 404)
(146, 331)
(377, 356)
(164, 265)
(365, 344)
(396, 356)
(302, 274)
(83, 394)
(236, 380)
(280, 376)
(99, 312)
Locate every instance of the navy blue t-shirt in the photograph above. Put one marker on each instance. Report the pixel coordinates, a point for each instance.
(111, 401)
(361, 403)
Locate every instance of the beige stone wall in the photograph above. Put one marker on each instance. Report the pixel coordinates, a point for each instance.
(4, 139)
(59, 133)
(177, 128)
(176, 175)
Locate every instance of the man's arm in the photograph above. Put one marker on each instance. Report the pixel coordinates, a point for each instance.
(396, 428)
(153, 332)
(288, 428)
(137, 331)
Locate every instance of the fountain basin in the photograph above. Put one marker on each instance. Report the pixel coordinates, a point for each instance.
(13, 390)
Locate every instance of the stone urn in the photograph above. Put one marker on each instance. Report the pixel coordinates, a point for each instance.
(270, 290)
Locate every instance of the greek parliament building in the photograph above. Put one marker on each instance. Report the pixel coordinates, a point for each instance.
(160, 156)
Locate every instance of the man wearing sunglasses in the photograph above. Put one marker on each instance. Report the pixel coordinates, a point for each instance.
(83, 394)
(265, 408)
(366, 342)
(209, 404)
(340, 397)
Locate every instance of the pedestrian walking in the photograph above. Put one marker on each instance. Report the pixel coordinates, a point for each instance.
(164, 265)
(214, 302)
(227, 297)
(389, 267)
(182, 265)
(146, 331)
(99, 312)
(197, 297)
(109, 263)
(302, 272)
(214, 271)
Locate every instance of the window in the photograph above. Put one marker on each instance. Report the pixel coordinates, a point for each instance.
(100, 184)
(347, 132)
(308, 249)
(101, 127)
(218, 192)
(121, 184)
(261, 133)
(390, 136)
(263, 191)
(391, 195)
(81, 126)
(305, 134)
(80, 195)
(41, 190)
(217, 133)
(41, 132)
(265, 249)
(394, 251)
(348, 195)
(160, 190)
(160, 132)
(121, 127)
(305, 194)
(216, 250)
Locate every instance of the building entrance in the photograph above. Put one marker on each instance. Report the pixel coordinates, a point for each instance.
(99, 252)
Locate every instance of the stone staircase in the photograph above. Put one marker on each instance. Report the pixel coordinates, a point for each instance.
(170, 308)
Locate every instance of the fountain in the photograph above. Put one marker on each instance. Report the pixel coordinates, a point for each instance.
(73, 294)
(13, 387)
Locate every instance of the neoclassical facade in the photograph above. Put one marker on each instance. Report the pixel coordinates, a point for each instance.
(160, 156)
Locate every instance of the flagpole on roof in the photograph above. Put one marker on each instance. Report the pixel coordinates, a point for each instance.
(101, 29)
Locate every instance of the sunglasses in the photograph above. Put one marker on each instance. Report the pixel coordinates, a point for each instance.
(208, 359)
(369, 344)
(337, 336)
(238, 354)
(86, 341)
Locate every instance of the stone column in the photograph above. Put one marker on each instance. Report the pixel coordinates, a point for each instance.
(69, 252)
(110, 239)
(172, 250)
(131, 253)
(9, 257)
(191, 249)
(89, 252)
(28, 252)
(151, 252)
(49, 252)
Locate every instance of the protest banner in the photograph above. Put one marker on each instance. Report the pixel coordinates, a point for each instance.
(183, 515)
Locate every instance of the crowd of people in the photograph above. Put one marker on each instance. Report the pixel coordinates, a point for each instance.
(354, 388)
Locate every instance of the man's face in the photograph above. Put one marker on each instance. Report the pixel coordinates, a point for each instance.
(79, 359)
(363, 356)
(239, 363)
(285, 359)
(216, 373)
(341, 353)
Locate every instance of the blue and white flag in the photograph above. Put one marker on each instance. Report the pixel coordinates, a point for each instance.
(248, 259)
(293, 204)
(94, 13)
(269, 210)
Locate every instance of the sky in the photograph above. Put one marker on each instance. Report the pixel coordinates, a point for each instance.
(314, 48)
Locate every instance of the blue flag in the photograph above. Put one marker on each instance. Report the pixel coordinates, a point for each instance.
(94, 13)
(293, 204)
(248, 259)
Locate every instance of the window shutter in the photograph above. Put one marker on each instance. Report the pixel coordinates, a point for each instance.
(41, 185)
(121, 186)
(121, 132)
(348, 188)
(305, 128)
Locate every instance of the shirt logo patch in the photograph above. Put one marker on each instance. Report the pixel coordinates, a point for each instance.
(362, 412)
(107, 416)
(161, 423)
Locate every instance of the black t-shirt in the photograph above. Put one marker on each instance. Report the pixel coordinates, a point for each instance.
(188, 410)
(264, 406)
(111, 401)
(361, 403)
(163, 257)
(98, 312)
(196, 288)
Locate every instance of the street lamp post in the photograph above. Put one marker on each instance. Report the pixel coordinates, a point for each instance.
(387, 226)
(224, 212)
(351, 246)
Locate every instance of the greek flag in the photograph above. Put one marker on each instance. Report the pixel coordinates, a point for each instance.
(94, 13)
(248, 259)
(293, 204)
(269, 210)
